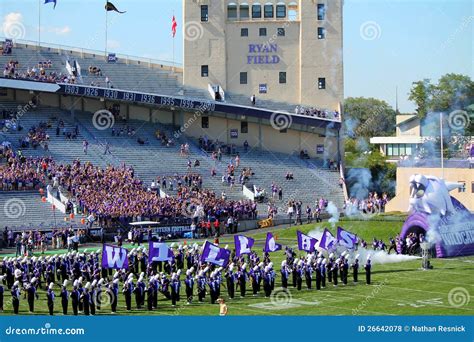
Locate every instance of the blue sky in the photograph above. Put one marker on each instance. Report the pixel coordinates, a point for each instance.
(387, 44)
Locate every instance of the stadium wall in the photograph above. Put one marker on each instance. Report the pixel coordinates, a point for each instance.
(260, 133)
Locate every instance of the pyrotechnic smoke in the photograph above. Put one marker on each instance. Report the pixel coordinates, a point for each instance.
(377, 257)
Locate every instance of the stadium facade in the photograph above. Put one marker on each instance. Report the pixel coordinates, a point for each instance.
(287, 54)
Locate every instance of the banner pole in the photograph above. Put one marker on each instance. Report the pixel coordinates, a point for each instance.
(39, 24)
(106, 28)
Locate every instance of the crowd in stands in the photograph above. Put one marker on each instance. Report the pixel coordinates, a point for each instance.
(310, 111)
(21, 173)
(177, 182)
(37, 73)
(373, 204)
(115, 193)
(7, 47)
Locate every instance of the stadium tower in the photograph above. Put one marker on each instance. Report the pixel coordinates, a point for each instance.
(286, 53)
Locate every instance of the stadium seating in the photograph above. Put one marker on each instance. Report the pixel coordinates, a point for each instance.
(310, 182)
(136, 76)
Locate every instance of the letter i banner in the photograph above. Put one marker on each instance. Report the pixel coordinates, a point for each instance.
(114, 257)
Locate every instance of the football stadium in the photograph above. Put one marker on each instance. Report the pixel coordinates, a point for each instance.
(238, 178)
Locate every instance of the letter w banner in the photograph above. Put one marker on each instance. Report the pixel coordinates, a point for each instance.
(305, 242)
(243, 245)
(159, 251)
(213, 254)
(114, 257)
(345, 238)
(328, 241)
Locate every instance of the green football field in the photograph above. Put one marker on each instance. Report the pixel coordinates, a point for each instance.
(401, 288)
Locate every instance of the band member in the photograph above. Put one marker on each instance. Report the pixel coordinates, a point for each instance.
(93, 297)
(202, 285)
(113, 293)
(149, 295)
(189, 282)
(213, 287)
(355, 269)
(335, 268)
(345, 269)
(242, 280)
(318, 274)
(16, 293)
(267, 282)
(127, 291)
(323, 268)
(64, 297)
(255, 275)
(294, 272)
(140, 291)
(50, 296)
(80, 289)
(284, 274)
(368, 266)
(31, 294)
(299, 275)
(86, 299)
(175, 287)
(308, 272)
(329, 267)
(75, 297)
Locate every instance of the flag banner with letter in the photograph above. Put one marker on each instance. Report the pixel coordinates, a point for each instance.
(213, 254)
(174, 26)
(111, 7)
(159, 251)
(243, 245)
(345, 238)
(270, 244)
(114, 257)
(305, 242)
(328, 241)
(48, 1)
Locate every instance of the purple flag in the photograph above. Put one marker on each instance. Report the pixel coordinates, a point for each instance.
(345, 238)
(270, 244)
(328, 241)
(305, 242)
(114, 257)
(159, 251)
(215, 255)
(243, 244)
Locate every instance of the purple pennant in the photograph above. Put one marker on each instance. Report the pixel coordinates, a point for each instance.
(114, 257)
(215, 255)
(345, 238)
(243, 245)
(159, 251)
(305, 242)
(328, 241)
(270, 244)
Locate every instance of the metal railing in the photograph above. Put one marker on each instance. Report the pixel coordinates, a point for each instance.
(128, 59)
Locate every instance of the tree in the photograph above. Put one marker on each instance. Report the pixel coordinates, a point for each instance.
(453, 91)
(368, 117)
(419, 94)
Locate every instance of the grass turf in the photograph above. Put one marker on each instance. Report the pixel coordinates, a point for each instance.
(396, 289)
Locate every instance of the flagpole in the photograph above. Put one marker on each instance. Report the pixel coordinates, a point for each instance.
(173, 43)
(106, 27)
(39, 24)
